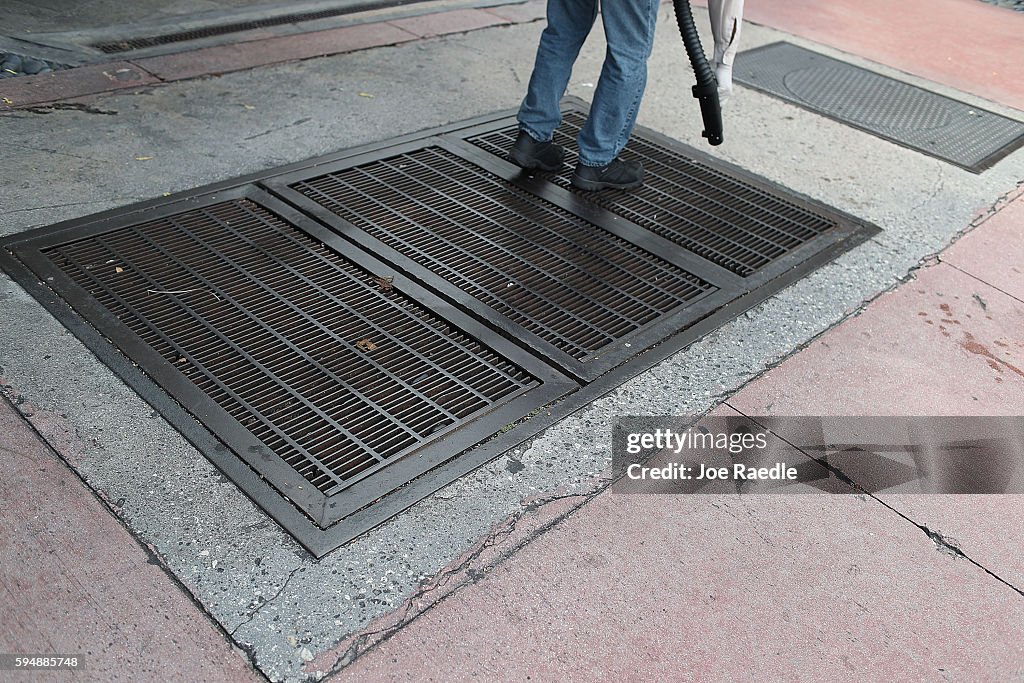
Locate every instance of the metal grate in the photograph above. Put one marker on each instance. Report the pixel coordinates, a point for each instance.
(346, 336)
(707, 211)
(939, 126)
(567, 281)
(333, 369)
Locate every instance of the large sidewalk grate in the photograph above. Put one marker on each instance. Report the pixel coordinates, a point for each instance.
(336, 380)
(574, 286)
(333, 373)
(345, 336)
(966, 136)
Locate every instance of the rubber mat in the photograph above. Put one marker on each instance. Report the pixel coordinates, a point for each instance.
(961, 134)
(344, 336)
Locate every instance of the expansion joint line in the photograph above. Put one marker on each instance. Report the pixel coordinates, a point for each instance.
(942, 543)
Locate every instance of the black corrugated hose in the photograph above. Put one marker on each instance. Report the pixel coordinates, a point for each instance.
(706, 90)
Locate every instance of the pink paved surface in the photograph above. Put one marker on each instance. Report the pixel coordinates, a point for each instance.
(945, 343)
(238, 56)
(995, 253)
(455, 21)
(72, 580)
(700, 588)
(966, 44)
(71, 83)
(819, 587)
(929, 348)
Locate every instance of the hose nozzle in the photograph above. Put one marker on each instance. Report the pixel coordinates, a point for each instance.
(710, 111)
(706, 90)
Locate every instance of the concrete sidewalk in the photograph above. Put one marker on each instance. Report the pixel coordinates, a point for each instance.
(533, 570)
(834, 588)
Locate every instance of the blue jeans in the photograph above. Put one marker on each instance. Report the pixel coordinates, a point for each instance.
(629, 30)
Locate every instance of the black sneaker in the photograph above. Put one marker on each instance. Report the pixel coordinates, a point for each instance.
(528, 153)
(618, 175)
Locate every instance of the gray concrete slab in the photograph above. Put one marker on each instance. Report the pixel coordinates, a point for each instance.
(280, 605)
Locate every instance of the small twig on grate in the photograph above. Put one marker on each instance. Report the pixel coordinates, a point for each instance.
(183, 291)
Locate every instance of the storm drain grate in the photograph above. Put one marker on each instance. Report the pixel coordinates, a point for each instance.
(346, 336)
(302, 347)
(331, 367)
(573, 285)
(956, 132)
(711, 213)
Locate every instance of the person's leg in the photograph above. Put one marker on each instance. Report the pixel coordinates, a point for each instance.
(629, 30)
(569, 24)
(726, 22)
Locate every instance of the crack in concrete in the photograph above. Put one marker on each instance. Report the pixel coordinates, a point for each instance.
(254, 613)
(18, 454)
(938, 185)
(284, 127)
(995, 207)
(947, 546)
(724, 507)
(1001, 202)
(56, 206)
(984, 282)
(48, 151)
(943, 543)
(366, 641)
(515, 74)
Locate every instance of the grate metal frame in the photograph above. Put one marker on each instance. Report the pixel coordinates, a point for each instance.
(258, 470)
(564, 396)
(768, 79)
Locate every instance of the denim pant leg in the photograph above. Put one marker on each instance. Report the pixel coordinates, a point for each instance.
(569, 23)
(629, 29)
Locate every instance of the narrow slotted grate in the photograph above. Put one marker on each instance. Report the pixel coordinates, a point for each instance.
(705, 210)
(334, 370)
(572, 284)
(913, 117)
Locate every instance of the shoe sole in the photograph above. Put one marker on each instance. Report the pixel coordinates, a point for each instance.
(595, 185)
(530, 163)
